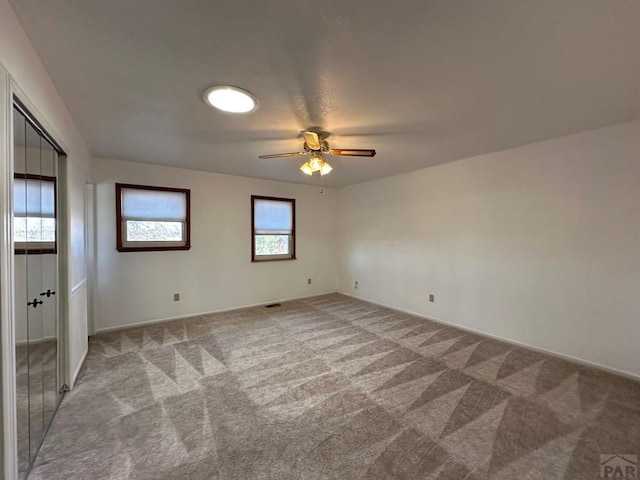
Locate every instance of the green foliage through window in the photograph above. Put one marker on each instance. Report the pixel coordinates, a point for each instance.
(272, 244)
(148, 231)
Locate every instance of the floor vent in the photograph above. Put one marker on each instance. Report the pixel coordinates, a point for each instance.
(271, 305)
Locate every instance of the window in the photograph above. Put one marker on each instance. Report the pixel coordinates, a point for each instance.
(34, 205)
(152, 218)
(273, 228)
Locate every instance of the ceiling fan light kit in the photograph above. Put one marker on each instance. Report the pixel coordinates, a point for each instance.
(306, 169)
(316, 145)
(230, 99)
(316, 164)
(325, 168)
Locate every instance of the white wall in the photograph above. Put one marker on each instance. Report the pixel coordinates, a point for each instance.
(538, 244)
(217, 273)
(18, 56)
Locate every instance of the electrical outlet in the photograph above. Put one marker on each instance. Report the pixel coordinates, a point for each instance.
(356, 285)
(308, 281)
(432, 297)
(176, 297)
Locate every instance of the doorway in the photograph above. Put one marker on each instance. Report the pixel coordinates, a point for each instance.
(39, 388)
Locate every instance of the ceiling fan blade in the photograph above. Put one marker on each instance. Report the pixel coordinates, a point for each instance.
(313, 142)
(278, 155)
(352, 152)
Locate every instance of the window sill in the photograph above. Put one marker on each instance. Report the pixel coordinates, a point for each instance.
(35, 251)
(260, 260)
(153, 249)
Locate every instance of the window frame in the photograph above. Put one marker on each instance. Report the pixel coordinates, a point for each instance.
(292, 242)
(158, 246)
(38, 248)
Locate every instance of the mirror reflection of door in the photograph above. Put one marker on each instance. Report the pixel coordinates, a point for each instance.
(36, 286)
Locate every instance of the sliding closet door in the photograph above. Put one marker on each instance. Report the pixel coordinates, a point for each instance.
(21, 324)
(34, 286)
(49, 282)
(36, 267)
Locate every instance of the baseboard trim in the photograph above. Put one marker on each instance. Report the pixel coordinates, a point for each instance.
(212, 312)
(75, 374)
(562, 356)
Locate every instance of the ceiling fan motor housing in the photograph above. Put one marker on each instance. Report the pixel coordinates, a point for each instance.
(324, 147)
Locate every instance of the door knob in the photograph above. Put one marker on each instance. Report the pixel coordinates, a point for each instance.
(48, 293)
(35, 303)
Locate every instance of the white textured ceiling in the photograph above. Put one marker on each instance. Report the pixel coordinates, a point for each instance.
(421, 81)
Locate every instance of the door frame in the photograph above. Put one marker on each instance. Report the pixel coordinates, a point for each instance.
(9, 461)
(90, 255)
(10, 90)
(17, 94)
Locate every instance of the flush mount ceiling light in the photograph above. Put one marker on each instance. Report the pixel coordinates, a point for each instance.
(230, 99)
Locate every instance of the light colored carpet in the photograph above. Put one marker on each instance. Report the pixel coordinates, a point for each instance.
(332, 388)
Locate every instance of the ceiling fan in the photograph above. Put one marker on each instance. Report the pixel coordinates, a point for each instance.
(316, 145)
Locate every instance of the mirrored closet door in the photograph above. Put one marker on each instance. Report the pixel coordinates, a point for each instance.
(36, 286)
